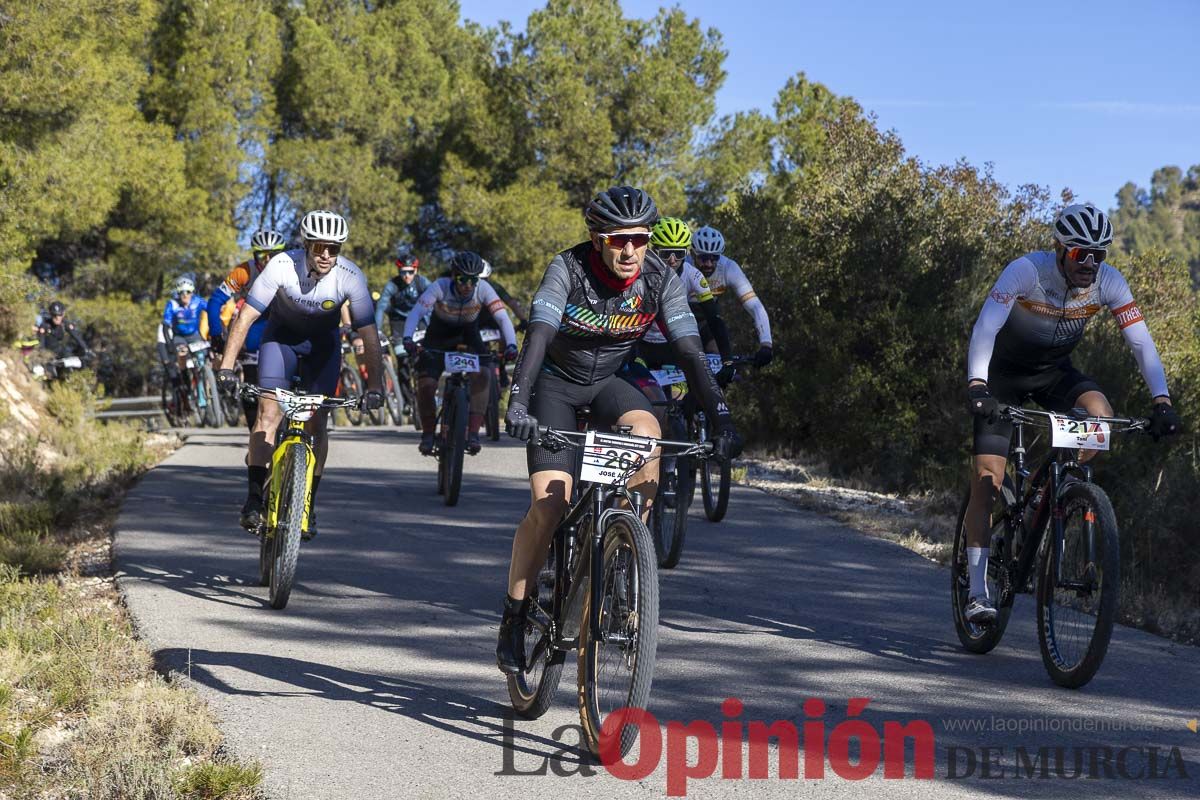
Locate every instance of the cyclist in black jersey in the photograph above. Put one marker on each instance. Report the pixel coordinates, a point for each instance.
(594, 302)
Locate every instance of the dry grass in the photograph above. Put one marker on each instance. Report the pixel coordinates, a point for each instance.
(82, 712)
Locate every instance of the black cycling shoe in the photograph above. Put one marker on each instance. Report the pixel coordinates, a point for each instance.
(473, 444)
(311, 533)
(510, 649)
(254, 515)
(426, 445)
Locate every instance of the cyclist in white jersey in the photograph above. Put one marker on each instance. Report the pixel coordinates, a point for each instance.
(724, 274)
(305, 290)
(455, 304)
(1020, 350)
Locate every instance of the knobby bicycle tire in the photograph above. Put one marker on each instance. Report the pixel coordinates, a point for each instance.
(456, 443)
(394, 401)
(532, 692)
(213, 416)
(352, 389)
(980, 638)
(1067, 613)
(627, 544)
(286, 548)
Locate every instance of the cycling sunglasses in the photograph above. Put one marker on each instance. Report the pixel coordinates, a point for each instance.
(319, 247)
(672, 252)
(706, 258)
(617, 241)
(467, 280)
(1080, 254)
(407, 273)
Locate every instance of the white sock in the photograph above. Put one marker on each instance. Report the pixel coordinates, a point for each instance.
(977, 560)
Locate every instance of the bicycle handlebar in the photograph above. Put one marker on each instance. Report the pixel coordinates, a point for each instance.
(1022, 414)
(250, 390)
(545, 432)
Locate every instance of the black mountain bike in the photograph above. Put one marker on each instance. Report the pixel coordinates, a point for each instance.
(597, 592)
(1058, 526)
(676, 488)
(450, 443)
(714, 476)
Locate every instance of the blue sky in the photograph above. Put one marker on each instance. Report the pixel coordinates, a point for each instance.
(1085, 94)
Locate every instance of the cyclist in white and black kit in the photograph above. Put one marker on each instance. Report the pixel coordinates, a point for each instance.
(455, 304)
(594, 303)
(305, 289)
(724, 275)
(1020, 350)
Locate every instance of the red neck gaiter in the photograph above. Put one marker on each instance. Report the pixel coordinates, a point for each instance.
(607, 278)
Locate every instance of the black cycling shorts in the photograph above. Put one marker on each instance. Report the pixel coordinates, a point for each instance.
(1056, 389)
(554, 402)
(442, 336)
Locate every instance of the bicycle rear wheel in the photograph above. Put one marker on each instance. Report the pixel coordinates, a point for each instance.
(352, 390)
(616, 662)
(982, 638)
(1077, 587)
(532, 691)
(456, 443)
(292, 501)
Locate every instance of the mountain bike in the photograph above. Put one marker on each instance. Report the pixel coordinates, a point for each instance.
(597, 592)
(714, 477)
(677, 479)
(231, 403)
(1054, 524)
(289, 488)
(491, 418)
(450, 443)
(194, 400)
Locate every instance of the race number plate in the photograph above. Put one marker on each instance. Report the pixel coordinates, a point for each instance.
(418, 335)
(609, 458)
(73, 362)
(714, 362)
(191, 363)
(197, 346)
(669, 376)
(462, 362)
(489, 335)
(248, 359)
(1079, 434)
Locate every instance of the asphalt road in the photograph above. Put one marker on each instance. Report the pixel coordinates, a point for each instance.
(378, 680)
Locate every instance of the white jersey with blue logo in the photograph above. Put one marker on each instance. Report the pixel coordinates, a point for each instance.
(306, 302)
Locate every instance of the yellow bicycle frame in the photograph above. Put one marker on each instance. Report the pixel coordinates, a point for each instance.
(294, 437)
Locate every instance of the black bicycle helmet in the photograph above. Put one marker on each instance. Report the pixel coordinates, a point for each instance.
(57, 309)
(467, 263)
(620, 207)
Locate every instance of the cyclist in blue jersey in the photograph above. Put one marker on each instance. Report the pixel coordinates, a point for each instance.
(181, 322)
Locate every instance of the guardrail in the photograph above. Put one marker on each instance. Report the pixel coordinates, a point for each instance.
(131, 408)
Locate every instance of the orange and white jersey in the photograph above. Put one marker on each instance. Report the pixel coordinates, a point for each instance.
(1032, 320)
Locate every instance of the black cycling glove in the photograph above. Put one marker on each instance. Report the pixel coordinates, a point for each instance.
(763, 356)
(519, 423)
(728, 444)
(372, 400)
(981, 403)
(1164, 421)
(227, 380)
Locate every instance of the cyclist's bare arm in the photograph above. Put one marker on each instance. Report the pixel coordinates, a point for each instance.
(237, 335)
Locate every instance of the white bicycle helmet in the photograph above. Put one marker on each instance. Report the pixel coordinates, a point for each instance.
(324, 226)
(708, 241)
(184, 285)
(1083, 225)
(267, 240)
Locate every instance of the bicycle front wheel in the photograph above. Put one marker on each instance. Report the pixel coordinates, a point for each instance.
(456, 443)
(293, 498)
(983, 638)
(392, 396)
(352, 390)
(1077, 587)
(616, 662)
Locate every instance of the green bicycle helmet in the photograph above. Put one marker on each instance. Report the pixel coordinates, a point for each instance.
(671, 232)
